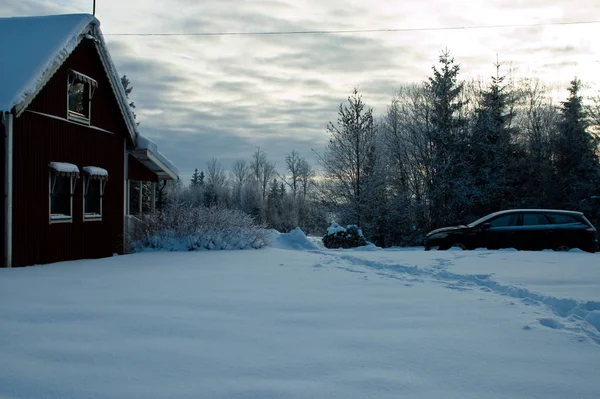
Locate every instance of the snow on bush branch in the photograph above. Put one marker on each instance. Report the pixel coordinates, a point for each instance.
(192, 227)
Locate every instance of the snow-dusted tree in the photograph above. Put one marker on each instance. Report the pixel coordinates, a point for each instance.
(197, 178)
(346, 158)
(293, 163)
(262, 172)
(536, 120)
(240, 173)
(491, 148)
(216, 184)
(447, 139)
(576, 152)
(128, 89)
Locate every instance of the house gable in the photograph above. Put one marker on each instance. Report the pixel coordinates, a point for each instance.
(52, 99)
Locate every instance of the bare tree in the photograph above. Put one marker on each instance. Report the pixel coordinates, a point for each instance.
(240, 173)
(346, 158)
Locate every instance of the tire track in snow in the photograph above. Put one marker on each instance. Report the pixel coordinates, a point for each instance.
(580, 317)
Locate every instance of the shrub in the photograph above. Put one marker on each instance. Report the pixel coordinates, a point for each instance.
(193, 227)
(344, 237)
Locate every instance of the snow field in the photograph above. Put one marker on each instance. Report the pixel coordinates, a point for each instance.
(280, 323)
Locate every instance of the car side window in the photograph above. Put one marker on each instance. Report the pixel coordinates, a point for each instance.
(558, 218)
(535, 219)
(504, 221)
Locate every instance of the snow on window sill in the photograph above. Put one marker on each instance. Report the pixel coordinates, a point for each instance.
(76, 117)
(92, 217)
(61, 219)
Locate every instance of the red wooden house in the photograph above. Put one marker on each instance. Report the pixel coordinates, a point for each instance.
(70, 146)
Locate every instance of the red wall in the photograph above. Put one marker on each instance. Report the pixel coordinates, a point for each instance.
(39, 140)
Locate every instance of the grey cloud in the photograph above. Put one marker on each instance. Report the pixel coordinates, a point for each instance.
(32, 7)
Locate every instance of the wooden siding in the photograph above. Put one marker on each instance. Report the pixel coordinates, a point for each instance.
(40, 139)
(138, 171)
(2, 199)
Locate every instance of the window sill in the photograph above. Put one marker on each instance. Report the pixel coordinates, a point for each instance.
(92, 217)
(79, 118)
(60, 219)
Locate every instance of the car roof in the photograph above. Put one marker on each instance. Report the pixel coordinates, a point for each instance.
(508, 211)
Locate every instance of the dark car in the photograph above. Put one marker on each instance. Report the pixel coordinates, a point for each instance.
(526, 229)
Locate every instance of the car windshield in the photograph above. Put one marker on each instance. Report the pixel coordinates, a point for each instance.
(481, 220)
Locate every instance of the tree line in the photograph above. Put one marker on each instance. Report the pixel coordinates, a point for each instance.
(445, 152)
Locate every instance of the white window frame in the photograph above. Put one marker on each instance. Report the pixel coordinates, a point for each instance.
(91, 173)
(59, 217)
(74, 77)
(90, 217)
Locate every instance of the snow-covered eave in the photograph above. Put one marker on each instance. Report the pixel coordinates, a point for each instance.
(157, 163)
(23, 100)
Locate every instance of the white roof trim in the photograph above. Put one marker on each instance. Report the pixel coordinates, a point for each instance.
(155, 165)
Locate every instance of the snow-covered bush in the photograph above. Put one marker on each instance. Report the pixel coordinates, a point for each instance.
(344, 237)
(193, 227)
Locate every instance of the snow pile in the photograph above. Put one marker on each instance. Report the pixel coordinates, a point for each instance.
(295, 239)
(32, 47)
(95, 171)
(350, 236)
(184, 227)
(63, 167)
(144, 143)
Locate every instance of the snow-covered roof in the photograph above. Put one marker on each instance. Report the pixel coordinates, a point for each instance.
(95, 171)
(34, 48)
(63, 167)
(146, 151)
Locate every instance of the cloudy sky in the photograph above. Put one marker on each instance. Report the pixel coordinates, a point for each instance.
(223, 96)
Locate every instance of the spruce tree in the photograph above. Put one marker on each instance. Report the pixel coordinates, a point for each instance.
(491, 149)
(576, 157)
(448, 183)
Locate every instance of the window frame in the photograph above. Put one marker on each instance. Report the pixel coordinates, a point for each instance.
(91, 174)
(53, 174)
(91, 84)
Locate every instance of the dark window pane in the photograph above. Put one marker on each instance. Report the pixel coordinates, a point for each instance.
(534, 219)
(504, 221)
(558, 218)
(60, 199)
(79, 98)
(92, 198)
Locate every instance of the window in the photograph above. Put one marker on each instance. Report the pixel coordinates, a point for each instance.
(80, 92)
(504, 221)
(94, 183)
(62, 180)
(535, 219)
(559, 218)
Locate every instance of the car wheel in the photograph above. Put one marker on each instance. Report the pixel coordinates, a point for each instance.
(562, 248)
(460, 245)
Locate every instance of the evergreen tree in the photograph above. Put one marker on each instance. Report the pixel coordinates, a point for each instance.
(128, 89)
(197, 178)
(491, 149)
(449, 181)
(576, 157)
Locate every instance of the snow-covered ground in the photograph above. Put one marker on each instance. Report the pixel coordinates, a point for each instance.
(298, 321)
